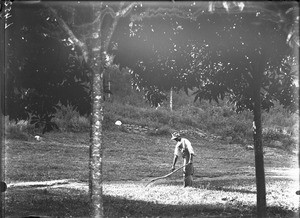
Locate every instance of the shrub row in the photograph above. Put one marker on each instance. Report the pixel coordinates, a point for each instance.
(219, 120)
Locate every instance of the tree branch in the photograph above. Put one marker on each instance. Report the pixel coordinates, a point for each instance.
(126, 10)
(161, 12)
(97, 19)
(120, 13)
(69, 32)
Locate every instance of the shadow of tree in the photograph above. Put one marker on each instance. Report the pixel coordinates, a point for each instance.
(120, 207)
(234, 190)
(226, 185)
(37, 202)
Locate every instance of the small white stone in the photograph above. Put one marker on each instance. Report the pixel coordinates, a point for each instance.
(118, 123)
(250, 147)
(95, 35)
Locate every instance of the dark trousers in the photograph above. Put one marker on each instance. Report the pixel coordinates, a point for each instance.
(188, 172)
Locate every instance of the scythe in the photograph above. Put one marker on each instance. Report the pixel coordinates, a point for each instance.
(165, 176)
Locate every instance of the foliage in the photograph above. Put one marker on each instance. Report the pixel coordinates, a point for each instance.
(238, 65)
(155, 97)
(15, 130)
(120, 84)
(278, 137)
(191, 53)
(218, 119)
(44, 122)
(68, 118)
(42, 70)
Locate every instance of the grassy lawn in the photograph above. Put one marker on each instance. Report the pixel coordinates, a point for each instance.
(224, 178)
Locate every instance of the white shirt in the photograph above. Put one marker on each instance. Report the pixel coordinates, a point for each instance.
(183, 147)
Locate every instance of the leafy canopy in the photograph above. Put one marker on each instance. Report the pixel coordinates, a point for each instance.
(217, 54)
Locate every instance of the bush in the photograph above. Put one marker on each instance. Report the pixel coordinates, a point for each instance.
(16, 130)
(157, 116)
(109, 121)
(214, 118)
(241, 128)
(79, 123)
(271, 134)
(227, 112)
(68, 119)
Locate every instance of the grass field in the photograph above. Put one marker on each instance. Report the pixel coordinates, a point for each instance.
(224, 178)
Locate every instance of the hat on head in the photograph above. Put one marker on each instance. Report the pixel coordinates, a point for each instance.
(175, 135)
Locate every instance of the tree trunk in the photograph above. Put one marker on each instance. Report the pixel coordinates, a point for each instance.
(109, 85)
(99, 45)
(3, 61)
(258, 147)
(171, 99)
(95, 164)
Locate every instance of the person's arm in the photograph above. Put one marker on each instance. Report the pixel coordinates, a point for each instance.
(176, 154)
(174, 162)
(191, 152)
(191, 158)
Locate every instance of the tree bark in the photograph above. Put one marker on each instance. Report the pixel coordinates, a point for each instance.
(258, 147)
(99, 46)
(95, 163)
(2, 107)
(171, 99)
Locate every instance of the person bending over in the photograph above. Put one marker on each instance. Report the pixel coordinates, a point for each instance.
(184, 148)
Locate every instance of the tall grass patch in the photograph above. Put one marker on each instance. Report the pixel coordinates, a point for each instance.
(16, 130)
(69, 119)
(144, 116)
(219, 119)
(211, 117)
(21, 130)
(280, 128)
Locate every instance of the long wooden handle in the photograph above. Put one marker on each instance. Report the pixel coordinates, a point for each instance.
(165, 176)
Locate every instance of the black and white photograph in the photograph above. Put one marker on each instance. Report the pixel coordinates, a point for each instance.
(149, 109)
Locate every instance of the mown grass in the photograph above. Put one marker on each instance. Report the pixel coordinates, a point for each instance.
(224, 178)
(216, 198)
(48, 159)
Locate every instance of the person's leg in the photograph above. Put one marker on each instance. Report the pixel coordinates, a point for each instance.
(188, 175)
(184, 172)
(188, 172)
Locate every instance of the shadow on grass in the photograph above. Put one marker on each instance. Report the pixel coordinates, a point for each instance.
(26, 202)
(118, 207)
(234, 190)
(74, 203)
(220, 185)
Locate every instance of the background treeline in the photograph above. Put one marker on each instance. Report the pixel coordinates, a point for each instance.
(129, 105)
